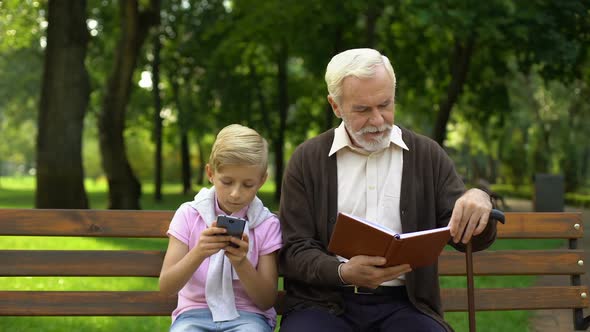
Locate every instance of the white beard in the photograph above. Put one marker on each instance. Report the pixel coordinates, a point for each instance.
(373, 144)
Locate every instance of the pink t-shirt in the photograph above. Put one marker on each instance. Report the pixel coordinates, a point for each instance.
(187, 225)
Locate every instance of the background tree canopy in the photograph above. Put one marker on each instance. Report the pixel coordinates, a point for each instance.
(133, 92)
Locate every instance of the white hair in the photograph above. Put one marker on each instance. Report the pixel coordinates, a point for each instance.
(360, 63)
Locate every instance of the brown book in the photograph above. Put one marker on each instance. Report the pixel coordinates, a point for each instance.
(353, 236)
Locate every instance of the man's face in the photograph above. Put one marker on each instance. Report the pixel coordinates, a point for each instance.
(367, 109)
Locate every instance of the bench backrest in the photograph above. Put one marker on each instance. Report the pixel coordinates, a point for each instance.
(147, 263)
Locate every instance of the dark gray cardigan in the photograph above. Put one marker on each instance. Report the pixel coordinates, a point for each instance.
(308, 209)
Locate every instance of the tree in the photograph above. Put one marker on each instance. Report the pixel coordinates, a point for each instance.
(64, 98)
(191, 33)
(21, 70)
(440, 49)
(124, 187)
(157, 133)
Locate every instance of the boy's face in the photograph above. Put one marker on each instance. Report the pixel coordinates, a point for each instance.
(236, 185)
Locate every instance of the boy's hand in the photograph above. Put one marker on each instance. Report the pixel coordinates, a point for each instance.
(237, 255)
(212, 240)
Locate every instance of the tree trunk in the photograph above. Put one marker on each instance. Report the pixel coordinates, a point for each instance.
(459, 68)
(64, 98)
(540, 141)
(186, 163)
(202, 161)
(124, 187)
(275, 137)
(185, 157)
(585, 164)
(493, 169)
(374, 10)
(337, 48)
(157, 119)
(283, 108)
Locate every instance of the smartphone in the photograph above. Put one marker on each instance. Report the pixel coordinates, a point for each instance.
(233, 225)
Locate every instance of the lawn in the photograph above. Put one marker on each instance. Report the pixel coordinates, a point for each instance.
(19, 193)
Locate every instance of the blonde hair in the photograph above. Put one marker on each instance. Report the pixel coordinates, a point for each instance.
(239, 145)
(360, 63)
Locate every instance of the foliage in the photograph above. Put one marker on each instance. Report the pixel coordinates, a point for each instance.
(520, 110)
(21, 23)
(21, 58)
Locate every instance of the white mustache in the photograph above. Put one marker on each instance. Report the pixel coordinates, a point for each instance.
(371, 129)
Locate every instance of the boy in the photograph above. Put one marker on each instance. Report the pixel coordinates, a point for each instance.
(220, 286)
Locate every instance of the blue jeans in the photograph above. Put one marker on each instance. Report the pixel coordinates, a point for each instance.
(201, 320)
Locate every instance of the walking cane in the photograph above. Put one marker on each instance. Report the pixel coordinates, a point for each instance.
(497, 215)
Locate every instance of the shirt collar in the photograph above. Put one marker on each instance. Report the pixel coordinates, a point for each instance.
(342, 140)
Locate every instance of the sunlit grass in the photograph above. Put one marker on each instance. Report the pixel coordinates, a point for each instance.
(19, 192)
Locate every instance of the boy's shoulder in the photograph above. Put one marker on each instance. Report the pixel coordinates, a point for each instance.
(187, 210)
(270, 219)
(186, 206)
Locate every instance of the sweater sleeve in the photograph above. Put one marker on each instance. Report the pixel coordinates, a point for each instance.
(304, 256)
(450, 188)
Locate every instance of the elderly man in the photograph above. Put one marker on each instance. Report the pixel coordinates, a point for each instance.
(371, 168)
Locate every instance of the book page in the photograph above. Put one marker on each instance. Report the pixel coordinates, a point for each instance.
(372, 224)
(428, 231)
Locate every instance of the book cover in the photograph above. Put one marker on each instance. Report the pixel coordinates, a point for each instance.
(354, 236)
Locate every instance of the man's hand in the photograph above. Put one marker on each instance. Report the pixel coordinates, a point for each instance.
(366, 271)
(470, 215)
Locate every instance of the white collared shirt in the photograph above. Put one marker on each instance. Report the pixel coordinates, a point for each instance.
(369, 184)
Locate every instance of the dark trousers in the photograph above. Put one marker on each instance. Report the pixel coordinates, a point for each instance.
(370, 313)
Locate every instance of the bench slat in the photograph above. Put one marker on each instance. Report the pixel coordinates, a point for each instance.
(147, 263)
(514, 262)
(110, 223)
(132, 223)
(530, 298)
(541, 225)
(71, 303)
(64, 303)
(81, 263)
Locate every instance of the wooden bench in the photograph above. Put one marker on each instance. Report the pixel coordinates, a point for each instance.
(146, 263)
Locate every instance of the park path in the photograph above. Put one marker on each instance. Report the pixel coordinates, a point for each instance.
(556, 320)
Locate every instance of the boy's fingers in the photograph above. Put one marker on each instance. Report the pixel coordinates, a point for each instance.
(240, 243)
(214, 230)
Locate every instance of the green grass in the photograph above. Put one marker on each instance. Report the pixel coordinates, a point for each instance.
(19, 193)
